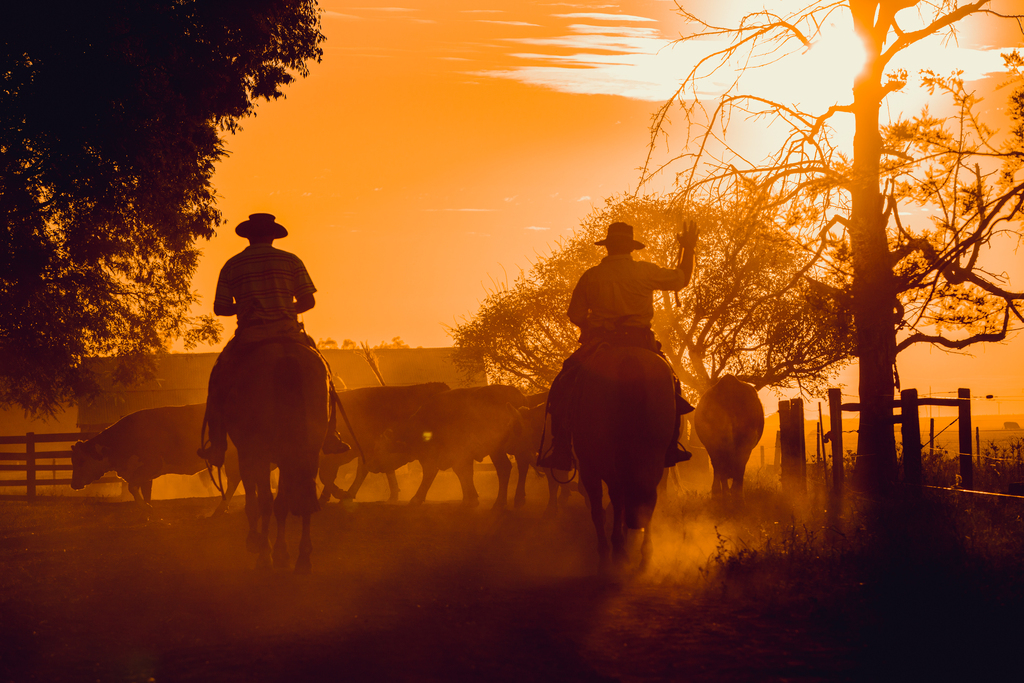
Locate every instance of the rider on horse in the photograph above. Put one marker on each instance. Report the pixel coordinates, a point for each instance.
(266, 288)
(613, 303)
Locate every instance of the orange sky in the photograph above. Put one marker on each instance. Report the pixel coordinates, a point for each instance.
(441, 145)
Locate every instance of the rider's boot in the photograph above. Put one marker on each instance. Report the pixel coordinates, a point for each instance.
(676, 452)
(334, 444)
(560, 455)
(213, 451)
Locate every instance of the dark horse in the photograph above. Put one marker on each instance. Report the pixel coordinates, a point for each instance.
(622, 425)
(277, 414)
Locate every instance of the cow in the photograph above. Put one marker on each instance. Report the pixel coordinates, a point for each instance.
(729, 420)
(371, 412)
(455, 429)
(523, 442)
(146, 444)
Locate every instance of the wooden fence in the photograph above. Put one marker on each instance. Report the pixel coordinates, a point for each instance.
(793, 458)
(29, 462)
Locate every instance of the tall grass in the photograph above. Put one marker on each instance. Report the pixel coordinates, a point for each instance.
(927, 583)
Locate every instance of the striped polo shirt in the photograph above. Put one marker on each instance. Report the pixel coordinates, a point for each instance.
(264, 282)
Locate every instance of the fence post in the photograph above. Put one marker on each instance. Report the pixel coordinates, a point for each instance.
(835, 417)
(794, 448)
(966, 462)
(931, 437)
(911, 429)
(30, 466)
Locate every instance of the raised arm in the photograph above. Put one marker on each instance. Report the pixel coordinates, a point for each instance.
(687, 241)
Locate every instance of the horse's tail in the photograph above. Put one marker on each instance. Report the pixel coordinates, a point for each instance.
(635, 406)
(297, 484)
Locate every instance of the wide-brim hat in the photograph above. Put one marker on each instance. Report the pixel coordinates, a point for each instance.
(261, 225)
(621, 235)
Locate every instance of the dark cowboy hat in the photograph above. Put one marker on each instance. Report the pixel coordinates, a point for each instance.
(261, 225)
(621, 234)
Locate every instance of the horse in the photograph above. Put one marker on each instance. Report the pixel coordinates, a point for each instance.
(622, 425)
(277, 413)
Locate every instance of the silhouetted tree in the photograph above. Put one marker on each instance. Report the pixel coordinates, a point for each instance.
(111, 119)
(748, 310)
(907, 282)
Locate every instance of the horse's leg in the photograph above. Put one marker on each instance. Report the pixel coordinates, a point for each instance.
(595, 495)
(393, 489)
(553, 489)
(280, 542)
(647, 545)
(147, 490)
(429, 472)
(618, 504)
(503, 468)
(302, 564)
(464, 471)
(522, 469)
(646, 548)
(265, 498)
(252, 506)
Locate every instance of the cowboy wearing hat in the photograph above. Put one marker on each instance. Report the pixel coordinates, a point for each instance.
(266, 288)
(613, 302)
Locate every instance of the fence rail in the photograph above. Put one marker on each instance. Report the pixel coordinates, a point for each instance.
(29, 463)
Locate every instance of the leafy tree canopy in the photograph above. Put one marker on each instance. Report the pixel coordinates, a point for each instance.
(749, 310)
(112, 115)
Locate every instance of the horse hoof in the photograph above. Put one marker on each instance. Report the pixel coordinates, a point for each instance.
(519, 502)
(263, 562)
(281, 560)
(416, 501)
(303, 566)
(550, 512)
(475, 502)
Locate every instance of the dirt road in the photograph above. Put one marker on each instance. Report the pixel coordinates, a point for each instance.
(93, 591)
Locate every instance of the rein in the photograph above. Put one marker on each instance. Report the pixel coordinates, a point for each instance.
(209, 468)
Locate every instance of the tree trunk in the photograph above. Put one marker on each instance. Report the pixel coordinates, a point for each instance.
(874, 289)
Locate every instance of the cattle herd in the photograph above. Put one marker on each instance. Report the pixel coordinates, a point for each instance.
(389, 427)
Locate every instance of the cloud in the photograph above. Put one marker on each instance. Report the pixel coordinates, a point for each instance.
(535, 227)
(505, 23)
(584, 198)
(463, 210)
(602, 16)
(338, 15)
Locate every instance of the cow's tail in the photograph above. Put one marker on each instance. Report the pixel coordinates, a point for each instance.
(297, 460)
